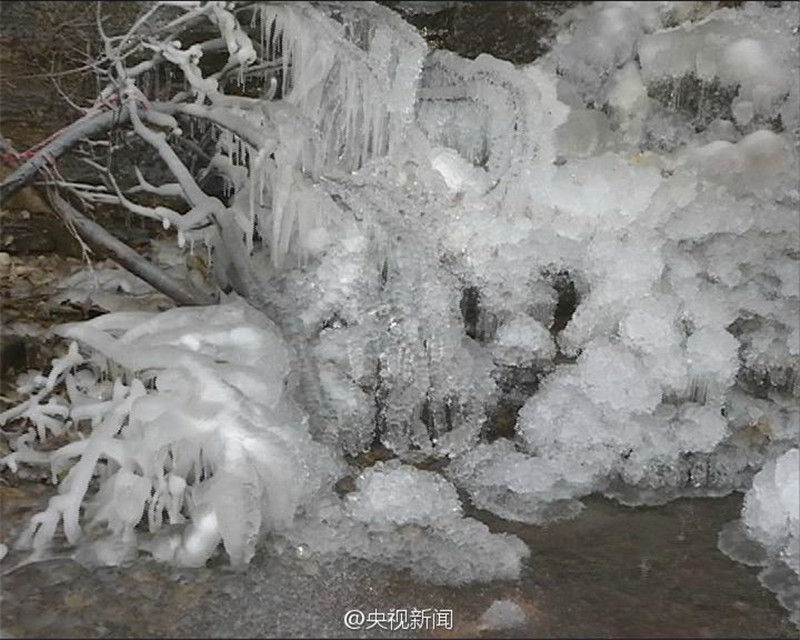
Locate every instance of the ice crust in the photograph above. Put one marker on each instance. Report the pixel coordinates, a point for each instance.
(411, 519)
(768, 533)
(105, 285)
(615, 224)
(771, 509)
(196, 428)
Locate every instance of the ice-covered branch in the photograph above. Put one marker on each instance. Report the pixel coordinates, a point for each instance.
(169, 190)
(126, 257)
(457, 249)
(158, 141)
(254, 135)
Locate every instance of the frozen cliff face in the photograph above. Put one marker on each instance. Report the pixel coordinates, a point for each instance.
(768, 533)
(671, 310)
(735, 58)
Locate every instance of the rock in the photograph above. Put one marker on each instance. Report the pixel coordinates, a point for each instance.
(13, 353)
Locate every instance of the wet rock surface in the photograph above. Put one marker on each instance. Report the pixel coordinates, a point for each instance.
(519, 32)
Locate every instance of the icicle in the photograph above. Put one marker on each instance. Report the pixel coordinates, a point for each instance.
(261, 41)
(261, 175)
(285, 64)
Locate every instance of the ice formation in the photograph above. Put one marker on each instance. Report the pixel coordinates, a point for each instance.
(412, 519)
(80, 286)
(601, 248)
(190, 423)
(503, 614)
(105, 285)
(768, 533)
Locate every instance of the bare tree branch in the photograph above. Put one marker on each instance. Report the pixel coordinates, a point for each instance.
(126, 257)
(89, 125)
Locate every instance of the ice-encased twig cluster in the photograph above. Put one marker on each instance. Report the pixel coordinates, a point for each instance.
(189, 423)
(193, 433)
(605, 240)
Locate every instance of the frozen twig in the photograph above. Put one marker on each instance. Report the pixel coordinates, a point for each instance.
(169, 190)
